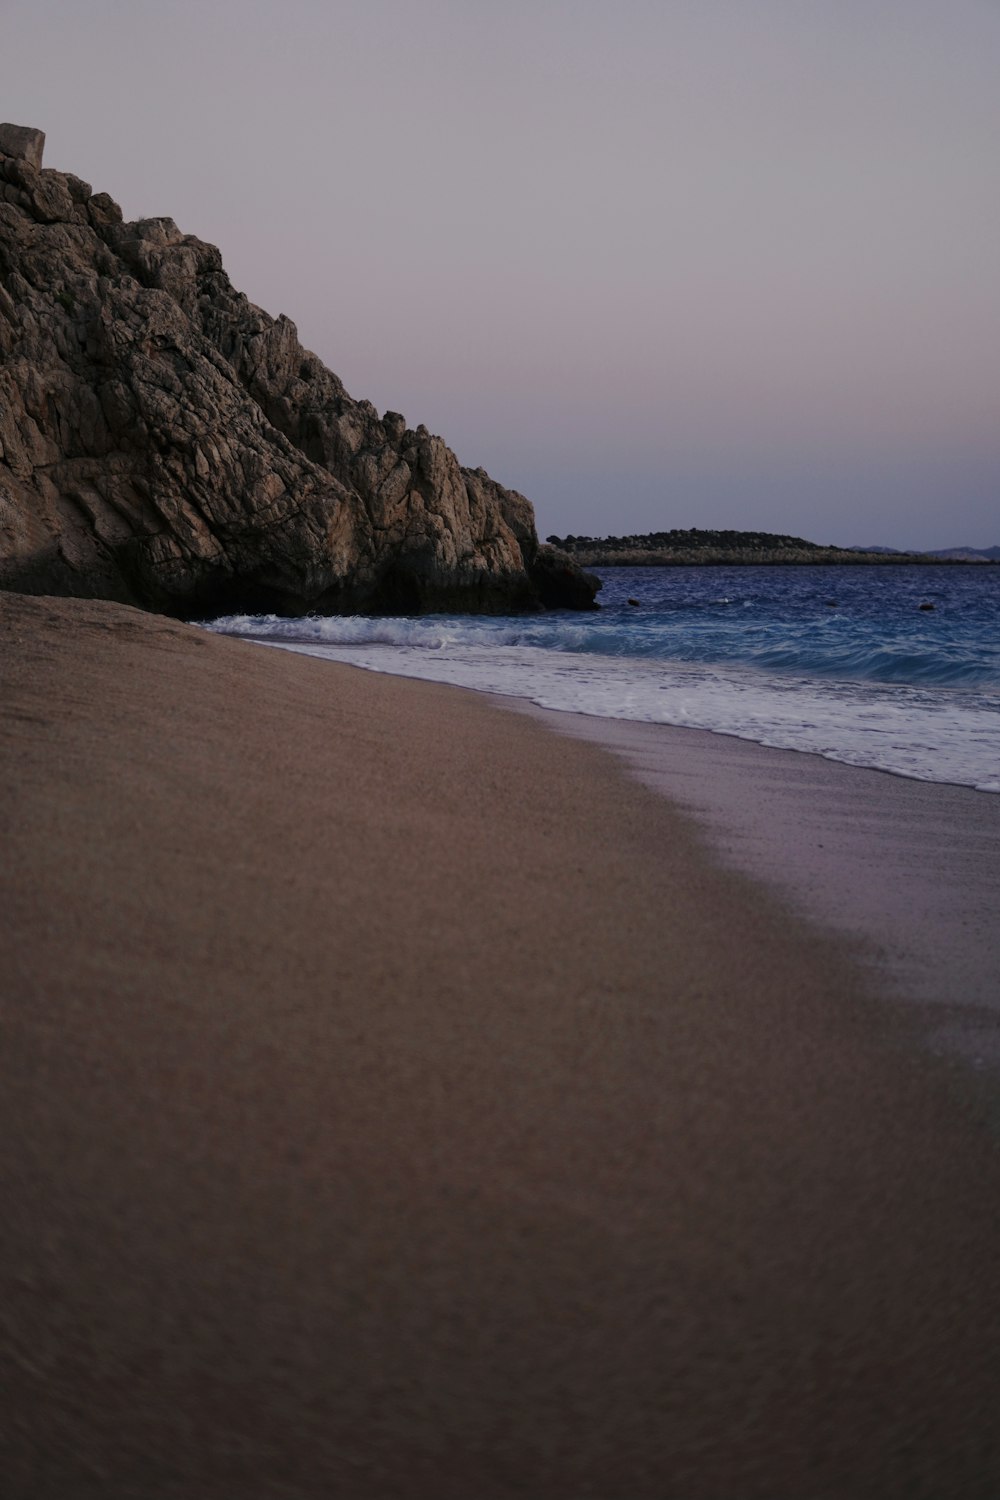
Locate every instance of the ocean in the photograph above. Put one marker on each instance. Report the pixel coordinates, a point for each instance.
(844, 662)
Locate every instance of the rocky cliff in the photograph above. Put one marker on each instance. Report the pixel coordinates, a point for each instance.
(166, 443)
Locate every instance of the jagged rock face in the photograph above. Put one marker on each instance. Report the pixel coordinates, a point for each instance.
(163, 442)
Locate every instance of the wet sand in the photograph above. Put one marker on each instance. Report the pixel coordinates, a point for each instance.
(400, 1100)
(908, 871)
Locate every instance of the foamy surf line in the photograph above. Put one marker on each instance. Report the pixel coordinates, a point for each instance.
(927, 734)
(907, 868)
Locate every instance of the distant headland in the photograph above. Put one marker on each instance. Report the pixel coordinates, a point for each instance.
(684, 548)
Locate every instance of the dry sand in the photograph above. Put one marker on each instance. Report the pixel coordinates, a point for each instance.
(400, 1101)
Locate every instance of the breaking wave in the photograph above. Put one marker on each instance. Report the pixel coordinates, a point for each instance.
(849, 665)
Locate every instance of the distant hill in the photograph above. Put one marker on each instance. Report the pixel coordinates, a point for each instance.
(968, 554)
(678, 548)
(948, 554)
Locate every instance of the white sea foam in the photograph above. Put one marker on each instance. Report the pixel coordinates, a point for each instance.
(932, 734)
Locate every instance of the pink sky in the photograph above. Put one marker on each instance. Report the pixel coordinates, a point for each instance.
(654, 264)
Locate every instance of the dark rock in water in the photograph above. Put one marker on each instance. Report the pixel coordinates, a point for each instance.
(166, 443)
(560, 583)
(633, 602)
(832, 603)
(927, 606)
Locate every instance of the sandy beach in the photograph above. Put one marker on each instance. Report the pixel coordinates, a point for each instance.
(401, 1100)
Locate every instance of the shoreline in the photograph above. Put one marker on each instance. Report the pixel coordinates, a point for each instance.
(936, 733)
(399, 1098)
(595, 558)
(907, 870)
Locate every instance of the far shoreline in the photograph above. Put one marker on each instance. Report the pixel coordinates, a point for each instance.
(698, 546)
(587, 559)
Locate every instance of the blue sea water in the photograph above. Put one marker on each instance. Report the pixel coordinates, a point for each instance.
(839, 661)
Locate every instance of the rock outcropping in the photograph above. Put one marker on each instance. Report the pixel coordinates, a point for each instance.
(165, 443)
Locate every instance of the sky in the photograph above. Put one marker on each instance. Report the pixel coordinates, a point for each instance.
(654, 263)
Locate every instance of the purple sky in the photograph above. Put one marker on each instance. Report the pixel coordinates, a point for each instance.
(656, 263)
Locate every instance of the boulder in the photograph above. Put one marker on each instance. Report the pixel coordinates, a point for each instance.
(23, 142)
(560, 583)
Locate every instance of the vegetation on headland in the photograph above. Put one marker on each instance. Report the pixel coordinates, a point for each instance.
(682, 548)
